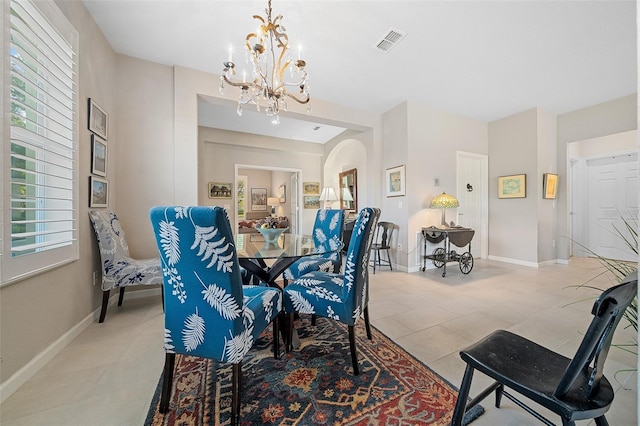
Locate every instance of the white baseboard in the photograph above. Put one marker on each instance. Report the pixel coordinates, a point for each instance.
(20, 377)
(514, 261)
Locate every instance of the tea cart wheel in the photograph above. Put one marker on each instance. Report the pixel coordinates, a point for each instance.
(466, 263)
(439, 257)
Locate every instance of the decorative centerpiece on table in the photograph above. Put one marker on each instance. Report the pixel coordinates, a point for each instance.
(269, 228)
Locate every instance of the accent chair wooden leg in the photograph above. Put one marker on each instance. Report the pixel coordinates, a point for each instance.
(461, 403)
(601, 421)
(105, 303)
(367, 325)
(121, 297)
(352, 345)
(167, 381)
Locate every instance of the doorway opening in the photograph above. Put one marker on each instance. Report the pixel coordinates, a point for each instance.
(281, 183)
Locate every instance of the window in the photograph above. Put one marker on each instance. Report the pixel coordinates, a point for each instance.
(39, 198)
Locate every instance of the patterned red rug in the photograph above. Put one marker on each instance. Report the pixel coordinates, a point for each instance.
(313, 385)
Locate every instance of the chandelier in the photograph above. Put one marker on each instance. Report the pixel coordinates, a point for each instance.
(273, 70)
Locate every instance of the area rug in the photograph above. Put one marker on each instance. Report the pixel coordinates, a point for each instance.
(313, 385)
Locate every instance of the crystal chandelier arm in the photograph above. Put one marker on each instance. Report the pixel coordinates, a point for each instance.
(297, 99)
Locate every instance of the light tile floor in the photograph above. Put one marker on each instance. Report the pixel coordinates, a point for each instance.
(108, 374)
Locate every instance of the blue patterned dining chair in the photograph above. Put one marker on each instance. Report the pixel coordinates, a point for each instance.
(342, 297)
(119, 270)
(327, 231)
(208, 312)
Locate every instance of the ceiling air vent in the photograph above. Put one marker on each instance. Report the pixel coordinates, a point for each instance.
(390, 39)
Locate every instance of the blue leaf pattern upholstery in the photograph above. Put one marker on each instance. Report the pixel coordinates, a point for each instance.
(208, 312)
(327, 230)
(343, 297)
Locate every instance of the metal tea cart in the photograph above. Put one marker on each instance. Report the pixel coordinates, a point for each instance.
(459, 237)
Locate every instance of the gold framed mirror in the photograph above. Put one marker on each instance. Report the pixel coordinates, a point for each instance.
(349, 189)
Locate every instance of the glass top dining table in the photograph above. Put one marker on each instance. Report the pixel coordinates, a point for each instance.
(253, 252)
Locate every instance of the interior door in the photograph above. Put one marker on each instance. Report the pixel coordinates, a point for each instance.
(612, 185)
(472, 193)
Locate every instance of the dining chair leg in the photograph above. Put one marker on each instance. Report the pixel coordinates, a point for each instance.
(366, 322)
(389, 260)
(277, 323)
(105, 304)
(236, 382)
(121, 297)
(375, 255)
(352, 345)
(167, 381)
(289, 342)
(463, 394)
(162, 294)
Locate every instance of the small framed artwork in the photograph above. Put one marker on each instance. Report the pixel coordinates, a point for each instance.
(98, 119)
(98, 156)
(259, 199)
(311, 188)
(550, 185)
(311, 201)
(220, 189)
(98, 192)
(282, 193)
(395, 181)
(514, 186)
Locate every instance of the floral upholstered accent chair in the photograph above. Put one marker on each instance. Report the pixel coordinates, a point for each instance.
(119, 270)
(327, 230)
(208, 312)
(342, 297)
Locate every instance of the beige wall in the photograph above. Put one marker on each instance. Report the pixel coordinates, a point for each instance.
(36, 312)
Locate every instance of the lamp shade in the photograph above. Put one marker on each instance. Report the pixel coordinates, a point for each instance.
(346, 195)
(444, 201)
(273, 201)
(328, 194)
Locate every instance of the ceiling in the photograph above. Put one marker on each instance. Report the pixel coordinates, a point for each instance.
(480, 59)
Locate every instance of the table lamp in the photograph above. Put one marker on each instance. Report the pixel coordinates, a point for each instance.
(444, 201)
(328, 195)
(273, 202)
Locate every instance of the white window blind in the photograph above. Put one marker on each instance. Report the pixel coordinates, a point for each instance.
(40, 176)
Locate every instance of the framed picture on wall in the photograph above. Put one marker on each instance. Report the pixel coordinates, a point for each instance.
(98, 156)
(98, 192)
(220, 189)
(311, 188)
(550, 185)
(259, 199)
(282, 193)
(395, 181)
(311, 201)
(98, 119)
(513, 186)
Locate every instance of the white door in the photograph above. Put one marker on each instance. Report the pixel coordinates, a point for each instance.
(472, 193)
(295, 207)
(612, 192)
